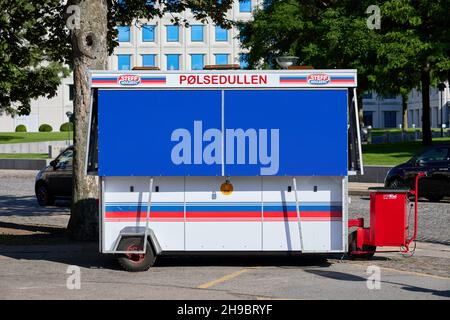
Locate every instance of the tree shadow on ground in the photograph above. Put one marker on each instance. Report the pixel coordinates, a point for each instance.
(342, 276)
(53, 244)
(27, 206)
(6, 139)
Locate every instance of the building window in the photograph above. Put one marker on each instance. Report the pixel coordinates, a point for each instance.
(148, 33)
(173, 33)
(368, 118)
(245, 6)
(221, 34)
(71, 92)
(197, 61)
(148, 60)
(124, 61)
(243, 60)
(173, 62)
(390, 119)
(221, 58)
(197, 33)
(123, 34)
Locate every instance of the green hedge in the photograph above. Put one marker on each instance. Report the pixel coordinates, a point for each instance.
(67, 126)
(45, 128)
(21, 128)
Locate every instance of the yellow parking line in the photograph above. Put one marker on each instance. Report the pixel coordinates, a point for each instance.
(224, 278)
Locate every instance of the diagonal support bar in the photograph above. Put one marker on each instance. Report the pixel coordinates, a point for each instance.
(294, 181)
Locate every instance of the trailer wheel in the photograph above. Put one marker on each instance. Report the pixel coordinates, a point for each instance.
(353, 249)
(136, 262)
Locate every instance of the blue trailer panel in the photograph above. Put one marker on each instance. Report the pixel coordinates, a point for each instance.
(307, 147)
(139, 126)
(222, 132)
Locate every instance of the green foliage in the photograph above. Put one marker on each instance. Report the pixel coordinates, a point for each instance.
(21, 128)
(322, 34)
(45, 128)
(333, 34)
(33, 47)
(67, 126)
(415, 38)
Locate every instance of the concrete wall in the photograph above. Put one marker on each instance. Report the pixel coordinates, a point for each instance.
(32, 147)
(23, 164)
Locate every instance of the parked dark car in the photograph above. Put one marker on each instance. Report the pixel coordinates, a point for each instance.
(435, 161)
(55, 180)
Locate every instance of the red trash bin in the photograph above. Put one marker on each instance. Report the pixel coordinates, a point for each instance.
(388, 217)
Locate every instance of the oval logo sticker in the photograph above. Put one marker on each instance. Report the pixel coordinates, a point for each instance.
(129, 80)
(318, 78)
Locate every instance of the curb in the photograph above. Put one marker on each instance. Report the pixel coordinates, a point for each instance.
(364, 193)
(24, 164)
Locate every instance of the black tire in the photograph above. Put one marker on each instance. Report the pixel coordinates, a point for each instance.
(136, 262)
(43, 196)
(434, 198)
(352, 248)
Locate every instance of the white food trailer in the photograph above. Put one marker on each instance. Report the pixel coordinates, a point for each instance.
(223, 161)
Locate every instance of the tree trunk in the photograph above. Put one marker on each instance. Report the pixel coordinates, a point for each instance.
(89, 44)
(426, 125)
(405, 111)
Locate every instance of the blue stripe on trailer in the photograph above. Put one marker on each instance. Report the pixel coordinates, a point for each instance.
(157, 208)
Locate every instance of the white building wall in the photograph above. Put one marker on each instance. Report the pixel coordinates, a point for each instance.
(436, 117)
(378, 107)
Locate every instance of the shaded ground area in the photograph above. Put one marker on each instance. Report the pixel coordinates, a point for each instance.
(39, 271)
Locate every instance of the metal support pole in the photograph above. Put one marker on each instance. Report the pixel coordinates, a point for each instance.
(358, 133)
(442, 115)
(147, 216)
(294, 181)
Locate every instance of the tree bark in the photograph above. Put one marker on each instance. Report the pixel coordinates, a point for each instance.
(405, 111)
(89, 44)
(426, 125)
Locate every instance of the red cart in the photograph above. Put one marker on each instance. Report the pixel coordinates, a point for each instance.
(389, 223)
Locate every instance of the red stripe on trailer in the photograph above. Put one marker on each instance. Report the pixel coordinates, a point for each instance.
(143, 214)
(227, 216)
(104, 81)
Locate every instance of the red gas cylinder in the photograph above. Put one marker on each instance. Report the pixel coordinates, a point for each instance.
(388, 216)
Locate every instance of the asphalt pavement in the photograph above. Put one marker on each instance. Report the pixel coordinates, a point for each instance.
(37, 261)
